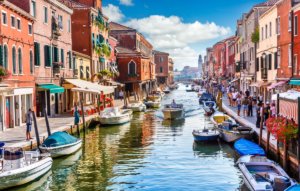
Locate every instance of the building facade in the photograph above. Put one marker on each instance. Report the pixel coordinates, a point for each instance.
(161, 60)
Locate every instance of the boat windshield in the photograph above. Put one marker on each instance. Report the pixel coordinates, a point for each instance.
(13, 153)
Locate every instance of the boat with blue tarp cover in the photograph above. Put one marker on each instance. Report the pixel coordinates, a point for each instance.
(61, 144)
(245, 147)
(293, 188)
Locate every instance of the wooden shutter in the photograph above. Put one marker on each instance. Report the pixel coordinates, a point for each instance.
(70, 59)
(270, 61)
(275, 60)
(1, 55)
(62, 57)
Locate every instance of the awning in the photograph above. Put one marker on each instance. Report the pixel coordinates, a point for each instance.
(84, 90)
(260, 84)
(234, 80)
(295, 82)
(114, 83)
(91, 87)
(274, 85)
(52, 88)
(290, 94)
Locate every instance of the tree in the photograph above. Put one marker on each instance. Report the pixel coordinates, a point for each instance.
(255, 36)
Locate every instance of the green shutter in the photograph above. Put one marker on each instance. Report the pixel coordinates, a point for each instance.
(70, 60)
(62, 56)
(37, 54)
(46, 55)
(50, 55)
(1, 55)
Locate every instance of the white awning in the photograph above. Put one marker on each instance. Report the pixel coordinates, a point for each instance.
(87, 86)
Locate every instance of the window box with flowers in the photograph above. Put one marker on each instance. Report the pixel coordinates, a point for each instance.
(4, 73)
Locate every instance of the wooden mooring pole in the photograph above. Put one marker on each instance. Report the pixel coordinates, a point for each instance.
(47, 122)
(38, 142)
(261, 125)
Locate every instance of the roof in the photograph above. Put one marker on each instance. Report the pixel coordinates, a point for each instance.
(17, 9)
(123, 50)
(73, 4)
(118, 27)
(159, 52)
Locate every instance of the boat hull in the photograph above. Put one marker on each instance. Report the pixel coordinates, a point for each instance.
(140, 108)
(62, 150)
(28, 174)
(153, 104)
(116, 120)
(173, 114)
(231, 137)
(205, 137)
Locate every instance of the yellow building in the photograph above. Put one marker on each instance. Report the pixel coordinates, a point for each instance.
(82, 65)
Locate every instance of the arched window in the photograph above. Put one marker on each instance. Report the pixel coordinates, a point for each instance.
(5, 57)
(131, 68)
(14, 60)
(20, 61)
(31, 61)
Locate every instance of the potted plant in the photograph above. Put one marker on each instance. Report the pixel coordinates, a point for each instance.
(4, 73)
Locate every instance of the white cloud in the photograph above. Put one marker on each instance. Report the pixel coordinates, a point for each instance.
(113, 13)
(173, 35)
(126, 2)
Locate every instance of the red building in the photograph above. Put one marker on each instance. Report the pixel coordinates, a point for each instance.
(230, 57)
(161, 60)
(219, 50)
(134, 59)
(17, 57)
(296, 41)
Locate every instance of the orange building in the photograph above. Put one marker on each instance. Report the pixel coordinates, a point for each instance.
(17, 57)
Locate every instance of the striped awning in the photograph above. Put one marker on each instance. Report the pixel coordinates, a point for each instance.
(288, 109)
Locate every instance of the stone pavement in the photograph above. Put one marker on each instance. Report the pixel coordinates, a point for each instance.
(247, 121)
(16, 137)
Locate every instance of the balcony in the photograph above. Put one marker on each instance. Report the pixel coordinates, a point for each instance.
(55, 26)
(56, 67)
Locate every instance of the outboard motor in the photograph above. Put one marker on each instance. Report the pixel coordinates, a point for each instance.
(281, 183)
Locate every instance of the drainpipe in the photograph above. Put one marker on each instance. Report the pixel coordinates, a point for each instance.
(292, 39)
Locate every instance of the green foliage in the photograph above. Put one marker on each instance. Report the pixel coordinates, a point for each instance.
(255, 36)
(3, 72)
(103, 49)
(104, 74)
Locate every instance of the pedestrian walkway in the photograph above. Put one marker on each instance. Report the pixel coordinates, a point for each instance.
(16, 137)
(247, 121)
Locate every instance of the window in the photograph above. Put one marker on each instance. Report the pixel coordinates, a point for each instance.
(47, 55)
(131, 68)
(295, 64)
(275, 60)
(13, 21)
(296, 25)
(60, 21)
(45, 15)
(87, 72)
(30, 29)
(290, 55)
(161, 69)
(270, 28)
(262, 33)
(266, 31)
(257, 64)
(290, 21)
(55, 54)
(278, 26)
(37, 54)
(5, 57)
(20, 61)
(19, 24)
(4, 18)
(62, 57)
(161, 59)
(69, 25)
(31, 61)
(14, 60)
(270, 61)
(33, 8)
(279, 58)
(81, 71)
(70, 59)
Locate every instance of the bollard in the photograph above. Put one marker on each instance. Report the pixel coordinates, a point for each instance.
(30, 145)
(71, 129)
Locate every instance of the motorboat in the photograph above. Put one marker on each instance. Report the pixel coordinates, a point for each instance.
(205, 135)
(218, 118)
(167, 90)
(152, 103)
(231, 132)
(61, 144)
(18, 167)
(173, 111)
(115, 116)
(136, 106)
(156, 95)
(209, 107)
(201, 91)
(245, 147)
(206, 97)
(262, 174)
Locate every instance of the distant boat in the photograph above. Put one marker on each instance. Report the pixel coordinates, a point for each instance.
(19, 167)
(137, 106)
(262, 174)
(152, 103)
(173, 112)
(218, 118)
(209, 107)
(206, 97)
(246, 147)
(115, 116)
(231, 132)
(61, 144)
(166, 90)
(205, 135)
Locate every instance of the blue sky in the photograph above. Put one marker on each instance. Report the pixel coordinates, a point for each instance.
(184, 28)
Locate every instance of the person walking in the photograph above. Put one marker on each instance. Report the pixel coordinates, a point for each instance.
(245, 103)
(258, 116)
(234, 98)
(247, 92)
(76, 117)
(267, 111)
(250, 108)
(29, 119)
(239, 105)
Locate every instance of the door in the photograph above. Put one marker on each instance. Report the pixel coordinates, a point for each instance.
(56, 103)
(7, 112)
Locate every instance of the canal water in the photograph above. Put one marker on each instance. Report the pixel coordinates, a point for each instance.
(147, 154)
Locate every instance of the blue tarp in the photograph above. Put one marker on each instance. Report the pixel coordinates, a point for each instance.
(59, 139)
(294, 188)
(2, 144)
(245, 147)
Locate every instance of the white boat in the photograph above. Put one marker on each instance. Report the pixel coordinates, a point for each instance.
(262, 174)
(201, 91)
(218, 118)
(153, 104)
(18, 167)
(230, 133)
(115, 116)
(61, 144)
(173, 111)
(205, 135)
(166, 90)
(137, 107)
(209, 107)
